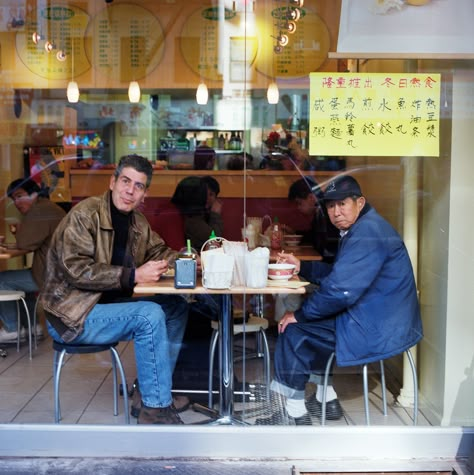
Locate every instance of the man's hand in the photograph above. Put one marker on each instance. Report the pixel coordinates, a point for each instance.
(151, 271)
(288, 258)
(286, 320)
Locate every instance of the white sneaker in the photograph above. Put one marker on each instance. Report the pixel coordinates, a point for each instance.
(11, 337)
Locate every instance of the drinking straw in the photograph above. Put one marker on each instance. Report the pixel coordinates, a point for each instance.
(188, 243)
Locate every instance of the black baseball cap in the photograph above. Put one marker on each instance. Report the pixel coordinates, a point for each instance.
(342, 187)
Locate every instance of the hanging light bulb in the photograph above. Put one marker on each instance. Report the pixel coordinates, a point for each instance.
(293, 14)
(289, 26)
(278, 49)
(36, 37)
(273, 94)
(49, 46)
(282, 39)
(134, 92)
(61, 55)
(202, 94)
(72, 92)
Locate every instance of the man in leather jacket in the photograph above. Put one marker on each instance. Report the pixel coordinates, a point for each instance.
(101, 249)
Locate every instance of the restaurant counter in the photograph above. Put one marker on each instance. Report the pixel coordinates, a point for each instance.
(258, 183)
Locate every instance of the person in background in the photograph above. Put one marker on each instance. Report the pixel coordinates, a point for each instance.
(40, 216)
(323, 235)
(366, 309)
(99, 252)
(196, 199)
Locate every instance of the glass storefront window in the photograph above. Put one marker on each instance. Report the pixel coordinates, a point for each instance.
(256, 142)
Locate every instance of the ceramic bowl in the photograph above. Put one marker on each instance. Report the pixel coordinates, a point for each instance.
(292, 240)
(280, 271)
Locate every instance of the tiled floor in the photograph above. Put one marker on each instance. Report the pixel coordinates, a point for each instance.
(86, 391)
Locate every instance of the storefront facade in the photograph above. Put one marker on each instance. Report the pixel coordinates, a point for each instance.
(237, 50)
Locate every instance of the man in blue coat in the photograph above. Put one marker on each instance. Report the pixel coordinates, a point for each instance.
(366, 309)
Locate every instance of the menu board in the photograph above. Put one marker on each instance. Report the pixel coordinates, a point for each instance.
(307, 48)
(207, 33)
(64, 29)
(374, 114)
(128, 42)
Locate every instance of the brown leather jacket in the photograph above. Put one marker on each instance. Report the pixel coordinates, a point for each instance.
(78, 265)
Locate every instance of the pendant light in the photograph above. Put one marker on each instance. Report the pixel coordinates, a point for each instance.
(72, 91)
(202, 94)
(134, 92)
(273, 94)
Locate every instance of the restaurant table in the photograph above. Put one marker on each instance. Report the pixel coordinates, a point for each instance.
(303, 253)
(226, 393)
(7, 253)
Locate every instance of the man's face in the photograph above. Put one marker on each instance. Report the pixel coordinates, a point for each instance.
(22, 200)
(306, 205)
(344, 213)
(128, 190)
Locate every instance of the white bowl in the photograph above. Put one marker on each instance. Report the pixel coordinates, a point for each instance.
(281, 271)
(293, 240)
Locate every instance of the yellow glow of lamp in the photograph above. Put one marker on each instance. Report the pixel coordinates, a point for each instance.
(72, 92)
(273, 94)
(134, 92)
(202, 94)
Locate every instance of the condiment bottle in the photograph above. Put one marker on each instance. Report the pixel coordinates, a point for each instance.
(276, 236)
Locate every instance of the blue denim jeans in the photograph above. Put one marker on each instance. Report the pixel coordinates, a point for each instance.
(156, 324)
(21, 279)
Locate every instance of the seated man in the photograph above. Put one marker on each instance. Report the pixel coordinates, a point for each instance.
(366, 309)
(98, 253)
(33, 233)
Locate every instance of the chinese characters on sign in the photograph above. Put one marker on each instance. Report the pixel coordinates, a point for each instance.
(374, 114)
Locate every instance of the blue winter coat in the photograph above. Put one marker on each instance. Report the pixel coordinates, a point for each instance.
(371, 292)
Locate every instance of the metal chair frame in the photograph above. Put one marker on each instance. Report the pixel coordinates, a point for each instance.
(366, 388)
(61, 349)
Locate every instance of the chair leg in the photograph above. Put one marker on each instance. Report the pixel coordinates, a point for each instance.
(116, 362)
(18, 327)
(366, 394)
(212, 350)
(29, 327)
(325, 388)
(57, 366)
(384, 388)
(415, 387)
(266, 362)
(34, 323)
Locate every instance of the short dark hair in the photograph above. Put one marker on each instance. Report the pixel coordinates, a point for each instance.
(303, 187)
(137, 162)
(212, 184)
(190, 196)
(27, 184)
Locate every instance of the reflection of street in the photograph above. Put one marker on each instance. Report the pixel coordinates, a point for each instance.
(45, 165)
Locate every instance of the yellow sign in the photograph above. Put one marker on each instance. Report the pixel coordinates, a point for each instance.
(374, 114)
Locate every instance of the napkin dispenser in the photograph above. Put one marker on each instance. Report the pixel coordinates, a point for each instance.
(185, 268)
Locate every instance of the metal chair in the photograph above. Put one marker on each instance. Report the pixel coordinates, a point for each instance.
(253, 325)
(17, 296)
(61, 349)
(366, 389)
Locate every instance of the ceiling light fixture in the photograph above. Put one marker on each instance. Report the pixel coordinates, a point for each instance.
(202, 94)
(273, 94)
(134, 92)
